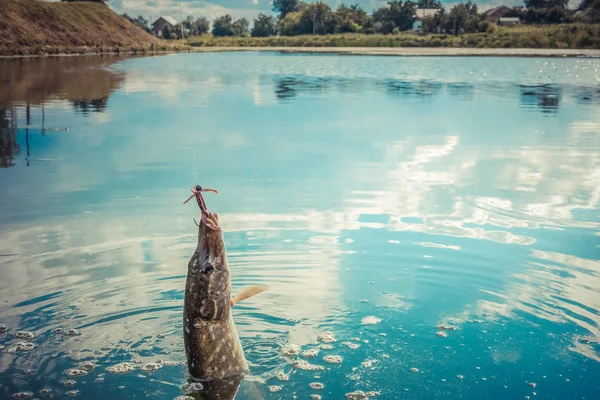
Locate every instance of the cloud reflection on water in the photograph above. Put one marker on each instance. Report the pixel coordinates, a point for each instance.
(117, 254)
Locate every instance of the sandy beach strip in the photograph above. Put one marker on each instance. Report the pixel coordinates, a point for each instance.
(416, 51)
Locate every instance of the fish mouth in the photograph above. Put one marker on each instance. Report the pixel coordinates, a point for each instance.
(210, 220)
(210, 235)
(209, 224)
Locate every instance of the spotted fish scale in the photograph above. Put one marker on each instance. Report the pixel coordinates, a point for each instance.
(212, 344)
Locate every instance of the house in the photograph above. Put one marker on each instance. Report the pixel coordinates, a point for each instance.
(494, 14)
(509, 21)
(423, 13)
(161, 22)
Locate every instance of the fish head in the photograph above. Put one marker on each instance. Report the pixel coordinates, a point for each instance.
(209, 281)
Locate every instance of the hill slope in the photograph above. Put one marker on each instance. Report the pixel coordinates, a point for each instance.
(35, 27)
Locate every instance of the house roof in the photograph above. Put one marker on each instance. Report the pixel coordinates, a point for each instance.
(509, 19)
(494, 10)
(170, 20)
(426, 12)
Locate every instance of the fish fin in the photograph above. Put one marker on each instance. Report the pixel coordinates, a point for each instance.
(247, 293)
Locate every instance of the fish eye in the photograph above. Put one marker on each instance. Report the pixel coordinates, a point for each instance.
(207, 268)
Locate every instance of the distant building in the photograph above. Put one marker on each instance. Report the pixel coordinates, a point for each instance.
(161, 22)
(494, 14)
(509, 21)
(423, 13)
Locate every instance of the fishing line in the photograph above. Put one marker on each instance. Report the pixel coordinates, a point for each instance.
(184, 60)
(187, 86)
(195, 170)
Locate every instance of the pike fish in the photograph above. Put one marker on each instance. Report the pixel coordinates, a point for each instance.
(214, 353)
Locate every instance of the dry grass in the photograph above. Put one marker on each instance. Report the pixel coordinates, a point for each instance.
(31, 27)
(566, 36)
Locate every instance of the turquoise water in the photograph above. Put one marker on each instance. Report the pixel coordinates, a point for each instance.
(378, 197)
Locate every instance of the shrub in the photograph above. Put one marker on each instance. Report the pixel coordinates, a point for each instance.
(290, 24)
(263, 26)
(223, 26)
(487, 26)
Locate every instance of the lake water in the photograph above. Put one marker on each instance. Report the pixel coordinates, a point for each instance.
(378, 197)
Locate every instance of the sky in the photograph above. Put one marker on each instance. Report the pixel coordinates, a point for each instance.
(250, 9)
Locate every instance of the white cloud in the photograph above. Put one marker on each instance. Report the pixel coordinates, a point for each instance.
(150, 265)
(552, 287)
(177, 10)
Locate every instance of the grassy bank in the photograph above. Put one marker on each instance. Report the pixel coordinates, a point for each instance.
(31, 27)
(567, 36)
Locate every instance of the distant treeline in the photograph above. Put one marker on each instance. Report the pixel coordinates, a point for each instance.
(299, 18)
(192, 26)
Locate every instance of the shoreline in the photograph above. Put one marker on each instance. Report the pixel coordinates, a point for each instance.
(362, 51)
(91, 54)
(416, 51)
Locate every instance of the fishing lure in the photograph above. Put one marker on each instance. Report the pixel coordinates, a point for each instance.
(206, 217)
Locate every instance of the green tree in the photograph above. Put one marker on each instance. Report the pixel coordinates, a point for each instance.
(587, 4)
(187, 23)
(240, 27)
(283, 7)
(533, 16)
(515, 12)
(401, 14)
(434, 24)
(546, 12)
(143, 23)
(379, 20)
(536, 3)
(463, 17)
(138, 21)
(223, 26)
(167, 33)
(429, 4)
(195, 27)
(471, 8)
(438, 19)
(226, 26)
(291, 25)
(591, 10)
(428, 25)
(317, 18)
(558, 3)
(346, 25)
(200, 26)
(351, 19)
(263, 26)
(556, 15)
(178, 31)
(546, 4)
(355, 13)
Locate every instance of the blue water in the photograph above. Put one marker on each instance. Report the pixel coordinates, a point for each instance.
(378, 197)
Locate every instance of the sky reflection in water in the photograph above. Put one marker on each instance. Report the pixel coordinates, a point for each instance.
(460, 191)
